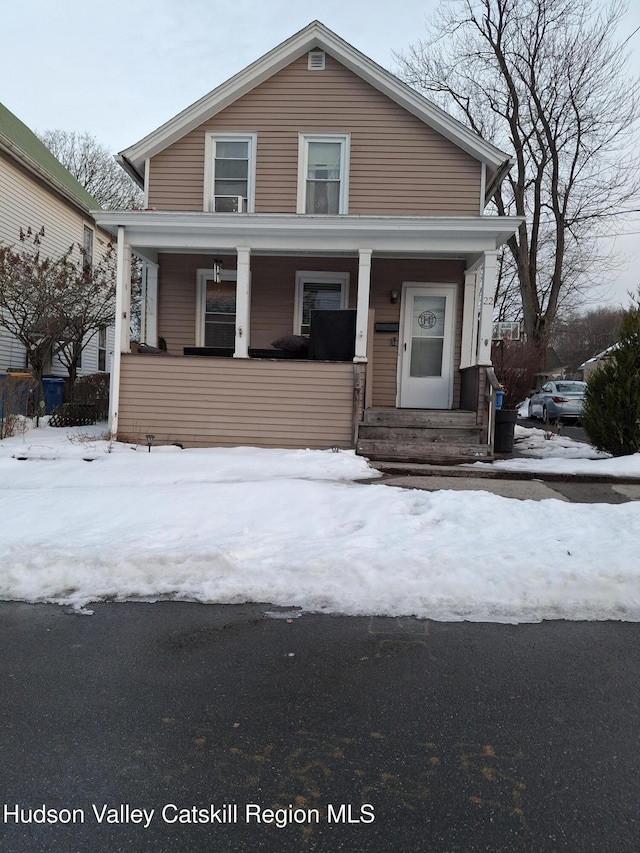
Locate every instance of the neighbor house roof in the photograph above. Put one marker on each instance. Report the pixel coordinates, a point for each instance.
(316, 36)
(24, 146)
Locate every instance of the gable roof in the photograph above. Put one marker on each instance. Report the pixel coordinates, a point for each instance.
(23, 145)
(315, 35)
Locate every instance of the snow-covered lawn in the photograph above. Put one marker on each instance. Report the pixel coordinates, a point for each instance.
(84, 520)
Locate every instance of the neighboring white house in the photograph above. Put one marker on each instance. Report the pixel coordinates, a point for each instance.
(37, 190)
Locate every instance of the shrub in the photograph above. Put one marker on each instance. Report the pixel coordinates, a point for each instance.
(516, 365)
(93, 389)
(611, 413)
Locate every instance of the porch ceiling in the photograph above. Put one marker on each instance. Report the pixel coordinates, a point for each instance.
(290, 233)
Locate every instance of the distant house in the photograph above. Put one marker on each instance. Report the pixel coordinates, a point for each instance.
(35, 191)
(319, 264)
(589, 367)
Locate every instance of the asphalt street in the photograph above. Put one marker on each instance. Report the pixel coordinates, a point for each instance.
(182, 727)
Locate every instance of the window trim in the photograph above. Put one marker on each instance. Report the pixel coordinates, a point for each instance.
(317, 277)
(210, 140)
(203, 276)
(303, 162)
(88, 242)
(102, 348)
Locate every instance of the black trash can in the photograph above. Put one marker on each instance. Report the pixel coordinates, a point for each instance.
(505, 427)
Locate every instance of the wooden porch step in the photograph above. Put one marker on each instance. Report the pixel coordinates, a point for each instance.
(435, 453)
(436, 418)
(421, 435)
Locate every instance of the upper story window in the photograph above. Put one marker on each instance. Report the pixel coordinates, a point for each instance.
(87, 249)
(323, 173)
(229, 172)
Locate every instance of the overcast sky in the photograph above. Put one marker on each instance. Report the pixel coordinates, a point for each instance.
(120, 69)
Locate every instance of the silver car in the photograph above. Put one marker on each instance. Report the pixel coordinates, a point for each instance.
(558, 401)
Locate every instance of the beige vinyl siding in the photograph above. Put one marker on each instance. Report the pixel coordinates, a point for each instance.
(204, 402)
(398, 165)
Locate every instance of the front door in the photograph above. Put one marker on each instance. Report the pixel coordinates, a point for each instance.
(426, 346)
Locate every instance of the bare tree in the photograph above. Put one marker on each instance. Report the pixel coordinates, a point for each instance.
(86, 306)
(31, 288)
(93, 165)
(546, 81)
(579, 336)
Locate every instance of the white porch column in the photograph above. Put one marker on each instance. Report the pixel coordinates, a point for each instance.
(362, 304)
(486, 307)
(122, 332)
(469, 320)
(243, 304)
(149, 296)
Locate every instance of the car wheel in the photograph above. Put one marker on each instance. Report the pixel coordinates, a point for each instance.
(545, 416)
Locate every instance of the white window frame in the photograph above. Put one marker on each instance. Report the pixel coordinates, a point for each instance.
(303, 163)
(102, 348)
(317, 277)
(210, 140)
(203, 276)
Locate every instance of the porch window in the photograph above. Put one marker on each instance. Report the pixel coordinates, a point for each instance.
(323, 173)
(315, 291)
(220, 314)
(216, 309)
(229, 173)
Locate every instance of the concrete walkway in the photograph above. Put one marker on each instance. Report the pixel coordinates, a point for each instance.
(521, 485)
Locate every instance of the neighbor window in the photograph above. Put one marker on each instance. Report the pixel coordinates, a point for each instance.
(323, 174)
(229, 173)
(87, 249)
(315, 291)
(102, 349)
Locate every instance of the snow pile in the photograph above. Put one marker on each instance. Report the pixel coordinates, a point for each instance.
(294, 528)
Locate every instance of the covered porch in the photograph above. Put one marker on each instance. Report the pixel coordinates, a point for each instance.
(372, 267)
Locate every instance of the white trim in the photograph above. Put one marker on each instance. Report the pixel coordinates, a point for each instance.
(210, 138)
(118, 343)
(304, 138)
(485, 330)
(243, 304)
(147, 172)
(362, 305)
(204, 275)
(454, 236)
(468, 343)
(315, 35)
(317, 277)
(483, 187)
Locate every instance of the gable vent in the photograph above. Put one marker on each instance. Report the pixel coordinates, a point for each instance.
(315, 60)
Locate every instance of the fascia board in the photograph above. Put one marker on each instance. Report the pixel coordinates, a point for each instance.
(314, 36)
(286, 232)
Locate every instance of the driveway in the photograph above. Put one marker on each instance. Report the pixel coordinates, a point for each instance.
(185, 727)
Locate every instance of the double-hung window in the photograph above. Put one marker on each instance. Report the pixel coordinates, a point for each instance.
(216, 309)
(102, 349)
(229, 173)
(316, 291)
(323, 173)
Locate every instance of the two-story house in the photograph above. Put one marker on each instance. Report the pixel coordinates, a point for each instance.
(319, 264)
(37, 191)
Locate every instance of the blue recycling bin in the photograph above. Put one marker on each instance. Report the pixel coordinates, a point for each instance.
(53, 389)
(499, 398)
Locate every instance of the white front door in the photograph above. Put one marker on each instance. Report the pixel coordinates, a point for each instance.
(426, 346)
